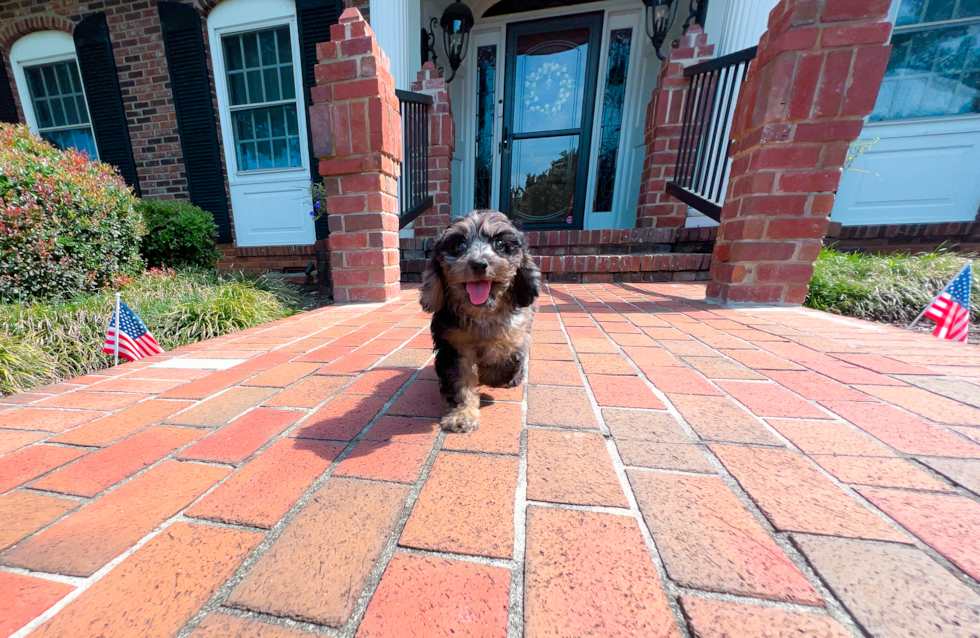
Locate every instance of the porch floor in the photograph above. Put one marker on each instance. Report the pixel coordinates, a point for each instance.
(670, 468)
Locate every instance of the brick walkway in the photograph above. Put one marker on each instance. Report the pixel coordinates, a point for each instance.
(669, 469)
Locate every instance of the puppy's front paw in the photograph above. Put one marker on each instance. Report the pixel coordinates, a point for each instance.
(461, 420)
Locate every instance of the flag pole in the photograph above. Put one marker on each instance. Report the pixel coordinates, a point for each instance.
(118, 295)
(929, 305)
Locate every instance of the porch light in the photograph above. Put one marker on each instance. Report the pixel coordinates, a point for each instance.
(456, 22)
(658, 22)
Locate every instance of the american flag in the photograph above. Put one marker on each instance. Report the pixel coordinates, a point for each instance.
(135, 341)
(951, 309)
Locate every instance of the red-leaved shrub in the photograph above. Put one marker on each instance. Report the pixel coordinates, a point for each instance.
(68, 224)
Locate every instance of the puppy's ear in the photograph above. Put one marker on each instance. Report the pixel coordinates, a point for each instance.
(527, 281)
(433, 296)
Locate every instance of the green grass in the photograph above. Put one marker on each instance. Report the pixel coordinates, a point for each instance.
(886, 288)
(42, 343)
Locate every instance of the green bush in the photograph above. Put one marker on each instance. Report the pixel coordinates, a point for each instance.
(178, 234)
(888, 288)
(46, 342)
(68, 224)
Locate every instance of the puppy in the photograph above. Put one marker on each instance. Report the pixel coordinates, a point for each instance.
(480, 286)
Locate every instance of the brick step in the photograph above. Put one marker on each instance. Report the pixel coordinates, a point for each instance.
(657, 267)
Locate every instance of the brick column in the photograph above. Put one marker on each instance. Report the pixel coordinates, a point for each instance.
(442, 143)
(655, 208)
(357, 137)
(816, 76)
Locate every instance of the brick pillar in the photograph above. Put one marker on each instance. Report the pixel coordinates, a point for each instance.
(655, 208)
(442, 143)
(357, 137)
(816, 76)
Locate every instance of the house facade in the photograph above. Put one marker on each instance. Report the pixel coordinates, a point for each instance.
(552, 118)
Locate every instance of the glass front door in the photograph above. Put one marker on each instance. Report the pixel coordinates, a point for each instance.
(549, 90)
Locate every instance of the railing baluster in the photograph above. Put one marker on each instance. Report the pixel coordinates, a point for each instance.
(701, 169)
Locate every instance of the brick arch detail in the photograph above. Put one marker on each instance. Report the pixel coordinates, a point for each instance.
(25, 26)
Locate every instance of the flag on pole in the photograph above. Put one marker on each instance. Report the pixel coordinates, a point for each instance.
(951, 309)
(135, 341)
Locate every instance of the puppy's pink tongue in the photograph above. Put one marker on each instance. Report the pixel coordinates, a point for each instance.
(479, 291)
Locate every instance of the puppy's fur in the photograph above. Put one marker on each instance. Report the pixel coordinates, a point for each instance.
(485, 344)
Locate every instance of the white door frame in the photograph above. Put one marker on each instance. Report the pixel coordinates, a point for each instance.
(285, 188)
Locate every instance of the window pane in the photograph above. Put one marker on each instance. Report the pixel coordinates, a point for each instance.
(43, 114)
(255, 93)
(50, 82)
(271, 77)
(285, 49)
(264, 149)
(486, 82)
(233, 52)
(76, 83)
(294, 157)
(71, 113)
(57, 112)
(261, 123)
(931, 73)
(292, 125)
(542, 181)
(236, 88)
(267, 47)
(939, 10)
(288, 82)
(612, 118)
(280, 153)
(251, 50)
(64, 82)
(246, 156)
(243, 125)
(35, 83)
(278, 122)
(82, 108)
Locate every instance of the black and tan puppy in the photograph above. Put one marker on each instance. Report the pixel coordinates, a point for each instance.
(480, 285)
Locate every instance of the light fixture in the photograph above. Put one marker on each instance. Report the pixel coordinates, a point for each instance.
(456, 22)
(660, 19)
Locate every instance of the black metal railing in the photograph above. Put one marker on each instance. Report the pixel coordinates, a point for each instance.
(701, 174)
(413, 185)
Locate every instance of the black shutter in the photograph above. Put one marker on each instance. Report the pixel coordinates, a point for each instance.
(8, 109)
(191, 88)
(105, 105)
(315, 18)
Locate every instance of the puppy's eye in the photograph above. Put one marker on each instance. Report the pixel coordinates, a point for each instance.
(461, 247)
(498, 244)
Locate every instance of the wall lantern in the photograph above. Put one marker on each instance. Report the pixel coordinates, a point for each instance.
(456, 22)
(660, 19)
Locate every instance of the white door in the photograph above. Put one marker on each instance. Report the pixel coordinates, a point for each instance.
(925, 166)
(256, 61)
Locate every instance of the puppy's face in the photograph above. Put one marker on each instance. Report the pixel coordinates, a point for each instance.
(479, 262)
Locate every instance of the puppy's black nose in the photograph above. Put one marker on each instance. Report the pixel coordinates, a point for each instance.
(479, 265)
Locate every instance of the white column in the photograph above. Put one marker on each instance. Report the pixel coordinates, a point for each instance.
(744, 23)
(389, 21)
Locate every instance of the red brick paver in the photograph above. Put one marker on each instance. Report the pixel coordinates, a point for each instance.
(669, 468)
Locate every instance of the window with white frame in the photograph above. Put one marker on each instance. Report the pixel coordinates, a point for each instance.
(934, 68)
(262, 98)
(46, 72)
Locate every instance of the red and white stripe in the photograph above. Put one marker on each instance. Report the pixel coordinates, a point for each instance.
(954, 323)
(132, 349)
(939, 307)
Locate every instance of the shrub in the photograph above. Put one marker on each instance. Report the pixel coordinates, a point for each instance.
(178, 234)
(68, 224)
(889, 288)
(46, 342)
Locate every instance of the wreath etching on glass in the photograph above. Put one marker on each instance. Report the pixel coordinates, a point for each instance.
(550, 73)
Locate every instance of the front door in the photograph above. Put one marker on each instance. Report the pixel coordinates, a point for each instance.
(549, 89)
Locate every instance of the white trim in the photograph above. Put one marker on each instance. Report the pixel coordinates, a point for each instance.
(43, 47)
